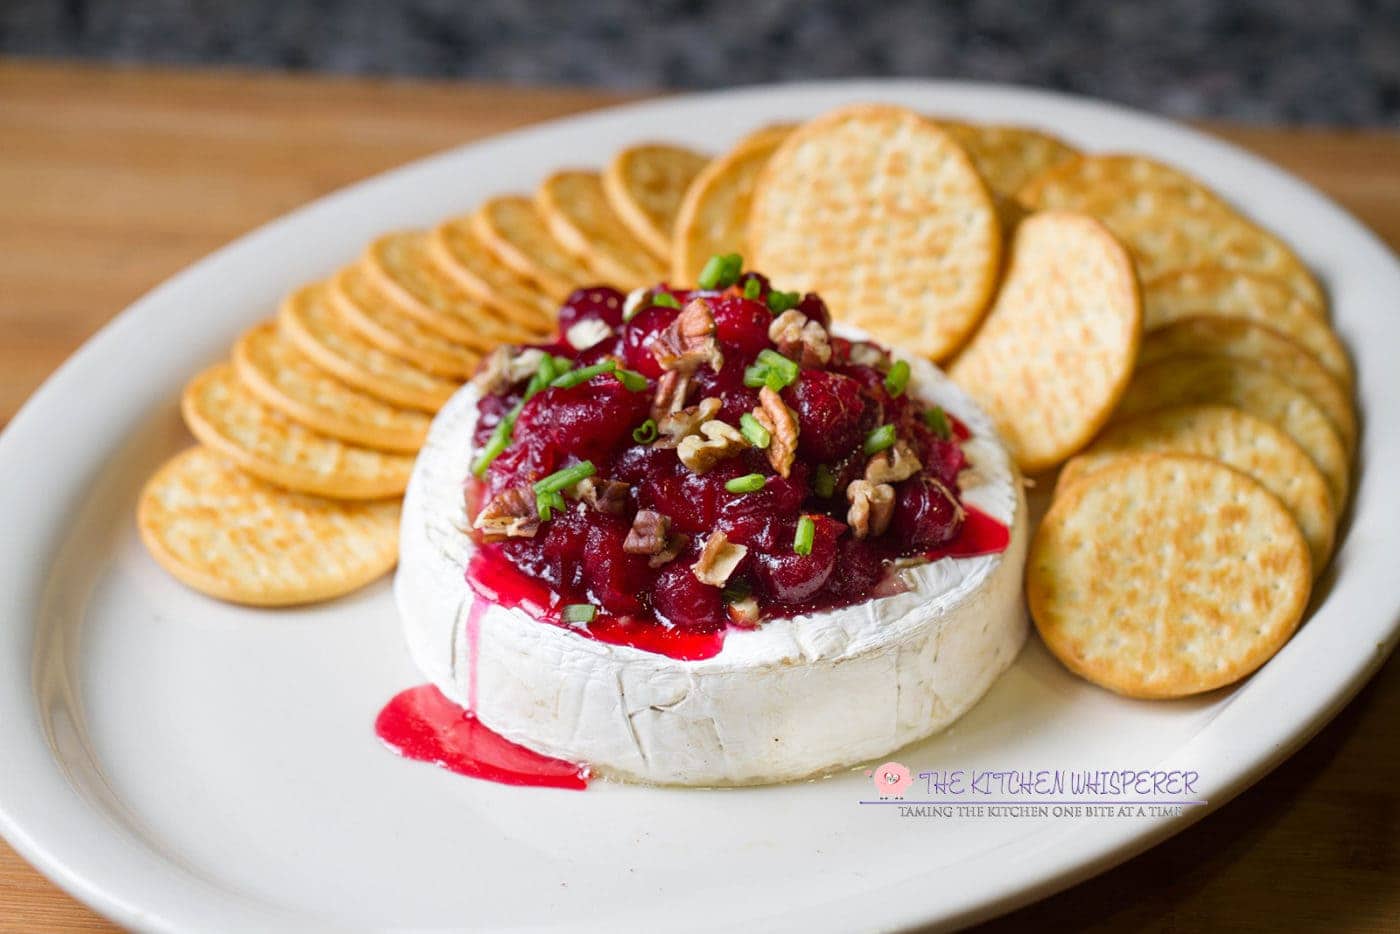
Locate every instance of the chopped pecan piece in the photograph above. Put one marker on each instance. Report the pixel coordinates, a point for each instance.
(671, 389)
(719, 558)
(587, 332)
(781, 423)
(690, 340)
(893, 464)
(714, 442)
(504, 366)
(800, 338)
(672, 429)
(511, 513)
(609, 496)
(651, 535)
(864, 353)
(872, 507)
(744, 612)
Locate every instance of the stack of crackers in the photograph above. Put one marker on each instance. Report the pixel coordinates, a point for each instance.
(1115, 316)
(307, 435)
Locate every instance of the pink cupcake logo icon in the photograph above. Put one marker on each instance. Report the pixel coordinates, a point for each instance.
(891, 780)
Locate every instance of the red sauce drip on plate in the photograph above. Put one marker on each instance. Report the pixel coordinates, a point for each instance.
(980, 535)
(420, 723)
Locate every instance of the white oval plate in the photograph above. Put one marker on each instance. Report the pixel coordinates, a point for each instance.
(182, 764)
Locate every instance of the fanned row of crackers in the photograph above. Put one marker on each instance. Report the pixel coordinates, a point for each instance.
(307, 434)
(1119, 321)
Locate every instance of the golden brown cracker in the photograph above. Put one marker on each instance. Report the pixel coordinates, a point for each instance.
(403, 270)
(1236, 439)
(714, 214)
(461, 255)
(1168, 219)
(309, 320)
(279, 374)
(578, 216)
(236, 538)
(1009, 156)
(1056, 352)
(378, 320)
(230, 420)
(644, 184)
(514, 230)
(1242, 339)
(1185, 380)
(881, 212)
(1167, 576)
(1232, 293)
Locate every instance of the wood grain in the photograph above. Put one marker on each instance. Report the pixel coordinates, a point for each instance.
(112, 180)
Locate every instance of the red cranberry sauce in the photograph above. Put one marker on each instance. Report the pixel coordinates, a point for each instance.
(579, 553)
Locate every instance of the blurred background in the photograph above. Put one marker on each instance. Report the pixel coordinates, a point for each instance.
(1331, 62)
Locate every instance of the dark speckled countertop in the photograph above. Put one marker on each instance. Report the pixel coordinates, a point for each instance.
(1302, 61)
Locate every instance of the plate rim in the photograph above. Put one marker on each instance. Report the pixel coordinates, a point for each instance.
(48, 821)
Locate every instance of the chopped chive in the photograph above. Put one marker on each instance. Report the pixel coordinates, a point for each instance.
(495, 446)
(748, 483)
(937, 420)
(825, 483)
(550, 368)
(897, 378)
(563, 479)
(575, 377)
(549, 503)
(753, 431)
(547, 370)
(806, 532)
(753, 289)
(779, 302)
(579, 612)
(665, 300)
(721, 271)
(879, 439)
(631, 379)
(645, 433)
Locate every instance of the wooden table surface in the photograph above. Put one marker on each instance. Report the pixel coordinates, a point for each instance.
(112, 180)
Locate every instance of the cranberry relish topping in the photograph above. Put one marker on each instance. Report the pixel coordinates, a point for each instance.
(694, 458)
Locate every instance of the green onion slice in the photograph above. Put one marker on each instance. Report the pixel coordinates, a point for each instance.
(754, 432)
(563, 479)
(937, 420)
(753, 289)
(666, 300)
(748, 483)
(897, 378)
(806, 533)
(879, 439)
(645, 433)
(575, 377)
(779, 302)
(825, 482)
(579, 612)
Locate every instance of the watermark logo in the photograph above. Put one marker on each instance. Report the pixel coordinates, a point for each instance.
(892, 780)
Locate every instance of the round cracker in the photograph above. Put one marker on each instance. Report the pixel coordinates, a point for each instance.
(578, 215)
(1242, 339)
(1168, 219)
(1185, 380)
(309, 320)
(401, 268)
(378, 320)
(1057, 349)
(1167, 576)
(881, 212)
(1232, 293)
(1009, 156)
(514, 230)
(235, 538)
(645, 185)
(1236, 439)
(226, 417)
(714, 214)
(272, 368)
(461, 255)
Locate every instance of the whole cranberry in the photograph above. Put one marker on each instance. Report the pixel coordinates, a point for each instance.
(683, 599)
(523, 462)
(741, 324)
(638, 334)
(563, 545)
(785, 576)
(859, 567)
(944, 458)
(925, 514)
(614, 577)
(587, 420)
(830, 410)
(728, 387)
(599, 301)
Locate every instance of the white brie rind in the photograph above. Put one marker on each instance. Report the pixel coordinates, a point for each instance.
(792, 698)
